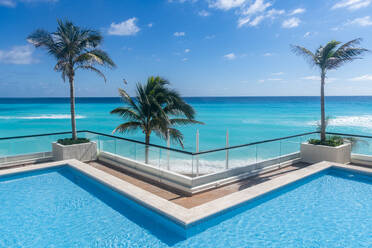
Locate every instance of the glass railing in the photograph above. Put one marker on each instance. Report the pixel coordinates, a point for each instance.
(23, 145)
(273, 151)
(191, 164)
(360, 144)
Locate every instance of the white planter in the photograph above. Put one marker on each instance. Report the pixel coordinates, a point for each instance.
(83, 152)
(318, 153)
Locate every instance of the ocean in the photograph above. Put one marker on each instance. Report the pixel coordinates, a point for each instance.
(247, 119)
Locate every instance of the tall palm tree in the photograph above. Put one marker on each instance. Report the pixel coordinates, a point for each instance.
(329, 57)
(74, 48)
(155, 109)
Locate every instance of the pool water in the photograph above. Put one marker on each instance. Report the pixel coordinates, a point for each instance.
(61, 207)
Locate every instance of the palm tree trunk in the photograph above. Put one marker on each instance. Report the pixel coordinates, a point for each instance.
(147, 141)
(322, 109)
(72, 106)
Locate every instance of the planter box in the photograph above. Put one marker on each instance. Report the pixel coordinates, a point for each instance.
(83, 152)
(318, 153)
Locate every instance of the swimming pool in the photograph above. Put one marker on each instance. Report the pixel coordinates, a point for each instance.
(62, 207)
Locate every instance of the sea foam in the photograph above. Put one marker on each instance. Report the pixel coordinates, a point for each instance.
(349, 121)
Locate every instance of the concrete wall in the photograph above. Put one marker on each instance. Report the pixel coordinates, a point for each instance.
(190, 185)
(82, 152)
(365, 160)
(39, 157)
(317, 153)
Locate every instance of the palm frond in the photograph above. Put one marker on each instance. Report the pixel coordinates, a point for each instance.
(158, 109)
(182, 121)
(42, 38)
(128, 127)
(307, 54)
(92, 68)
(126, 113)
(103, 57)
(176, 136)
(73, 47)
(346, 53)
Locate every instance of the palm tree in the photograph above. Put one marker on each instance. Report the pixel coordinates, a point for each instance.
(329, 57)
(155, 109)
(74, 48)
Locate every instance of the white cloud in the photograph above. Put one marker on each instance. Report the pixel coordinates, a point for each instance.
(150, 25)
(248, 21)
(366, 77)
(185, 59)
(20, 55)
(13, 3)
(313, 78)
(230, 56)
(254, 14)
(257, 7)
(362, 21)
(307, 34)
(291, 23)
(268, 54)
(352, 4)
(251, 12)
(256, 21)
(274, 79)
(204, 13)
(187, 50)
(226, 4)
(274, 12)
(8, 3)
(317, 78)
(209, 37)
(182, 1)
(243, 20)
(125, 28)
(178, 34)
(261, 81)
(277, 73)
(297, 11)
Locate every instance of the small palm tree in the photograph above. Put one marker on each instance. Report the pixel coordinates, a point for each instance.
(330, 57)
(155, 109)
(74, 48)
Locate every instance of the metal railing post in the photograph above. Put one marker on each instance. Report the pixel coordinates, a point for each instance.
(197, 150)
(227, 150)
(168, 152)
(280, 153)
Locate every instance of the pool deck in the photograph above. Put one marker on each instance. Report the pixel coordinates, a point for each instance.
(198, 199)
(191, 216)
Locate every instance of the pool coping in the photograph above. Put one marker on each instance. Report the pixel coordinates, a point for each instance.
(183, 216)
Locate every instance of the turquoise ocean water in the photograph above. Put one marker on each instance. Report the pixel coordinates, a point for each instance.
(246, 118)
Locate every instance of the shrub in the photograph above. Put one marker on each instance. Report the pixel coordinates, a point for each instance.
(70, 141)
(330, 141)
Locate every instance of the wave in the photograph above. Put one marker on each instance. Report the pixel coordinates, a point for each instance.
(349, 121)
(41, 117)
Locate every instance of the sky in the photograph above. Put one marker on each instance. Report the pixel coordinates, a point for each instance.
(203, 47)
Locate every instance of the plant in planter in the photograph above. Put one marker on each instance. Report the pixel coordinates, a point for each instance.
(329, 57)
(333, 141)
(75, 49)
(70, 141)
